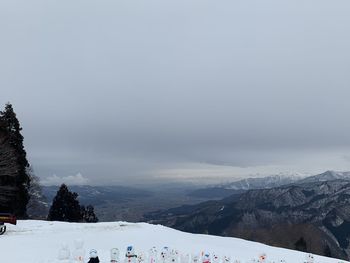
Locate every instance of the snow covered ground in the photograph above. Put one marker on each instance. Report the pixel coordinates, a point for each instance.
(40, 241)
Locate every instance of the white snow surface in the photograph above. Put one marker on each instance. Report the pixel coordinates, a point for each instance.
(33, 241)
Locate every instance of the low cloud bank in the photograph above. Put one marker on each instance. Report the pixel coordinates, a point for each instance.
(77, 179)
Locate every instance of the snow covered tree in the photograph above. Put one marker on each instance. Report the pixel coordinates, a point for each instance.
(65, 206)
(37, 207)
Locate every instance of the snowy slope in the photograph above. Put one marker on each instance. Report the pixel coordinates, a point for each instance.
(39, 242)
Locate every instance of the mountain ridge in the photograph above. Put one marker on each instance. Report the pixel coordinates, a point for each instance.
(310, 209)
(226, 189)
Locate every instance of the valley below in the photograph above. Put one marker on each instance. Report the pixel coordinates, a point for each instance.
(119, 203)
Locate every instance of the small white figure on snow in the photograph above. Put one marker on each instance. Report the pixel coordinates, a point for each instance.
(93, 256)
(226, 259)
(79, 251)
(195, 258)
(114, 255)
(164, 255)
(130, 256)
(262, 258)
(152, 255)
(173, 256)
(215, 258)
(64, 254)
(141, 258)
(206, 257)
(309, 258)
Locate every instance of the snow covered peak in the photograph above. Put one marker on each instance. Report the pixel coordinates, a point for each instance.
(265, 182)
(284, 179)
(327, 176)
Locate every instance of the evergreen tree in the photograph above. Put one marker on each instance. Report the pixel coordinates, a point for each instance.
(65, 206)
(88, 214)
(11, 126)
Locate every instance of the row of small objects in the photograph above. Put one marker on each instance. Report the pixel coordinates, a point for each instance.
(166, 255)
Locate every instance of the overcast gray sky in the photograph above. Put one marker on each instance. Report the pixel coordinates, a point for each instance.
(116, 91)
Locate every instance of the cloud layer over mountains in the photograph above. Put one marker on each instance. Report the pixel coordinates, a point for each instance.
(187, 89)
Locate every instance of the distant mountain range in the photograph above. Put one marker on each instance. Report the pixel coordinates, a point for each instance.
(225, 190)
(314, 211)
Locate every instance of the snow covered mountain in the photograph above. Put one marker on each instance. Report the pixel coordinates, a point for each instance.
(40, 241)
(326, 176)
(264, 182)
(239, 187)
(316, 211)
(285, 179)
(268, 182)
